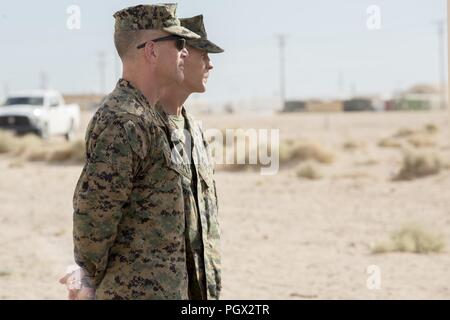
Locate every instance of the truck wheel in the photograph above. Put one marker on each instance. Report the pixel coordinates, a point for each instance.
(70, 135)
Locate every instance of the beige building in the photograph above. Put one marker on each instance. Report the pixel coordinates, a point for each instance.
(85, 101)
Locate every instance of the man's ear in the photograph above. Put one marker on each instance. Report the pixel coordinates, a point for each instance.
(151, 51)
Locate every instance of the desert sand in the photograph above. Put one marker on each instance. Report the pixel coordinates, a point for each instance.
(283, 237)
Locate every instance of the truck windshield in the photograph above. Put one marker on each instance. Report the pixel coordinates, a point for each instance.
(34, 101)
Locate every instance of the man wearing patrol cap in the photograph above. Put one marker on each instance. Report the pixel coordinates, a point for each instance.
(192, 149)
(143, 37)
(130, 202)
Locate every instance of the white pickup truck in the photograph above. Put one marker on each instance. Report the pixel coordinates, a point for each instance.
(43, 112)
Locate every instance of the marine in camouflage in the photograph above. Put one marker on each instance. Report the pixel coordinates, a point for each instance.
(133, 205)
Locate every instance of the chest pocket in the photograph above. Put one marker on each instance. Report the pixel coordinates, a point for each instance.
(174, 162)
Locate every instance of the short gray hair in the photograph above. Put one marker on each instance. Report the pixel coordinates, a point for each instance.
(126, 41)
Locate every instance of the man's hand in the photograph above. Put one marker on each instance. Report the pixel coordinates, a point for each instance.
(77, 286)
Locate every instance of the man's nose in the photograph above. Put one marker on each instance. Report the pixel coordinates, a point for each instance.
(184, 53)
(210, 65)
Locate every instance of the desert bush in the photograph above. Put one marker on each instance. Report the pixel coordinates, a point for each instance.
(75, 153)
(37, 155)
(308, 170)
(17, 145)
(8, 142)
(431, 128)
(417, 164)
(411, 238)
(404, 132)
(418, 138)
(421, 140)
(390, 143)
(298, 151)
(352, 145)
(367, 162)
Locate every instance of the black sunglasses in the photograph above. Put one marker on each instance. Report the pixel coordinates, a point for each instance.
(180, 42)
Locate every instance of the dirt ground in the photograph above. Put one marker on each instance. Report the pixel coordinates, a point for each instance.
(283, 237)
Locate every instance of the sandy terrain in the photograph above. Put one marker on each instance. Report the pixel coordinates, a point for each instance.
(283, 237)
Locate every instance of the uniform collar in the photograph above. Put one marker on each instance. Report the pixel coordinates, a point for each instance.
(164, 116)
(127, 86)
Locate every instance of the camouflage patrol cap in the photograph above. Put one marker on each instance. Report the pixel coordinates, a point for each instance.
(196, 25)
(155, 17)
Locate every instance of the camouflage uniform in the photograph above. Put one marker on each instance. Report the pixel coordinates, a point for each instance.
(145, 226)
(131, 203)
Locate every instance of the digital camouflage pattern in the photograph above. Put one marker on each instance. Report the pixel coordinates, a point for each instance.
(196, 24)
(132, 201)
(155, 17)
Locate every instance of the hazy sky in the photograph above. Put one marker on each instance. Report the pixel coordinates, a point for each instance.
(329, 52)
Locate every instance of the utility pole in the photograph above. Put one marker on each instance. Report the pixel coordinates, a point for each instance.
(117, 66)
(282, 45)
(448, 56)
(340, 85)
(5, 92)
(441, 54)
(5, 89)
(43, 78)
(101, 69)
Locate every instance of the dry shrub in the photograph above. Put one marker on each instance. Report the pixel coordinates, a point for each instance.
(16, 163)
(417, 164)
(368, 162)
(8, 142)
(32, 148)
(352, 145)
(404, 133)
(37, 155)
(290, 151)
(308, 170)
(390, 143)
(412, 238)
(297, 151)
(17, 145)
(353, 175)
(5, 273)
(431, 128)
(75, 153)
(421, 140)
(418, 138)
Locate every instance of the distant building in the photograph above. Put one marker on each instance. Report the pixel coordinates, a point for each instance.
(324, 106)
(294, 106)
(312, 106)
(359, 104)
(419, 97)
(85, 101)
(390, 105)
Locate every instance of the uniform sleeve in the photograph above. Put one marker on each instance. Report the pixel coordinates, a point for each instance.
(102, 191)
